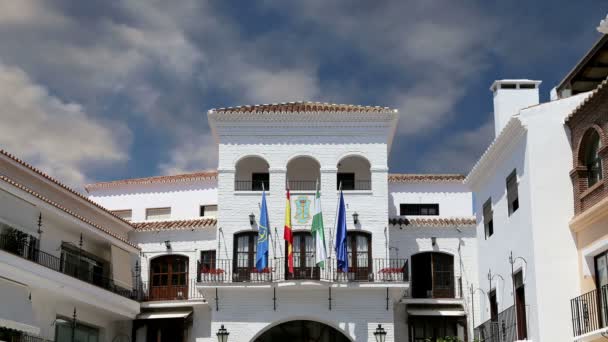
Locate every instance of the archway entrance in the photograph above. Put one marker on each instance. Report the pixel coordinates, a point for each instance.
(302, 331)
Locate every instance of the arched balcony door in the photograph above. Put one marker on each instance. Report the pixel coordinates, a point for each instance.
(169, 277)
(245, 245)
(432, 275)
(303, 258)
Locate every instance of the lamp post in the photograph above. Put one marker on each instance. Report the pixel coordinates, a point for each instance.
(380, 334)
(222, 334)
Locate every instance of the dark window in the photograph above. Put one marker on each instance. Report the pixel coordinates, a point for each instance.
(207, 260)
(508, 86)
(493, 306)
(419, 209)
(169, 277)
(244, 255)
(260, 181)
(64, 329)
(520, 305)
(593, 162)
(208, 210)
(304, 266)
(488, 218)
(527, 86)
(512, 193)
(433, 275)
(347, 180)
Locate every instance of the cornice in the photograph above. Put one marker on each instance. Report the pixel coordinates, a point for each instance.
(596, 213)
(506, 140)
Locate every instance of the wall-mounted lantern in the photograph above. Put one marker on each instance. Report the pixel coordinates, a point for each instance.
(355, 218)
(251, 219)
(222, 334)
(434, 241)
(168, 244)
(380, 334)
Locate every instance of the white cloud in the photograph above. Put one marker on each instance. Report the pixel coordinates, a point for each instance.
(59, 137)
(194, 153)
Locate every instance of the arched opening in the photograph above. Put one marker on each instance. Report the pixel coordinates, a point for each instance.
(251, 174)
(302, 331)
(433, 275)
(354, 173)
(303, 173)
(589, 156)
(169, 277)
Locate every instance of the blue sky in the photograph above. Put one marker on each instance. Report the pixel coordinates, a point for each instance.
(100, 90)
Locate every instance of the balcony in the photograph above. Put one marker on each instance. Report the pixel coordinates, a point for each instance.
(248, 185)
(23, 249)
(590, 313)
(376, 271)
(500, 329)
(148, 292)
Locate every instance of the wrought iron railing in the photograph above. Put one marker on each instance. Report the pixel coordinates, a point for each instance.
(500, 329)
(590, 311)
(32, 253)
(365, 270)
(182, 290)
(302, 185)
(247, 185)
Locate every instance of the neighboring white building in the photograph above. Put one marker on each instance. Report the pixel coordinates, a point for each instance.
(412, 236)
(65, 263)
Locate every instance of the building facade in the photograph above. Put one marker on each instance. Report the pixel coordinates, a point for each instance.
(411, 238)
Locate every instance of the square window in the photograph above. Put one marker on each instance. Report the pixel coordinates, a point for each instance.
(158, 213)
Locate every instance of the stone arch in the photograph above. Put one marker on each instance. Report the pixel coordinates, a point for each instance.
(327, 323)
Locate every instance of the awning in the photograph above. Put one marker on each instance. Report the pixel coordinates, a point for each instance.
(436, 312)
(164, 314)
(16, 310)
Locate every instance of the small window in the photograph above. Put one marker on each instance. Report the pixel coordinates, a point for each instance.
(430, 209)
(208, 211)
(346, 180)
(207, 260)
(158, 213)
(123, 214)
(508, 86)
(488, 219)
(512, 192)
(260, 181)
(527, 86)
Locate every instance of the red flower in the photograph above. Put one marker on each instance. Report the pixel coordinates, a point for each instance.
(212, 271)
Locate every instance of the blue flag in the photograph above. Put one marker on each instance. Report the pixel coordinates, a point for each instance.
(261, 257)
(341, 244)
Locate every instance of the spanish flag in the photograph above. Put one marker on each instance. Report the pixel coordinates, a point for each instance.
(287, 233)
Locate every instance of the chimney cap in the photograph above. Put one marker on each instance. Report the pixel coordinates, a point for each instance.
(515, 84)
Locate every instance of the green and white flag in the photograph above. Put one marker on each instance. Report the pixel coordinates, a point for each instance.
(318, 233)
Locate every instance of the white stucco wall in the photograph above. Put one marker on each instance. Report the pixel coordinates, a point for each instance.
(455, 200)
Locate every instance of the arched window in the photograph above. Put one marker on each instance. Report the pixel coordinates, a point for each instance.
(354, 173)
(251, 174)
(592, 160)
(303, 173)
(169, 277)
(244, 255)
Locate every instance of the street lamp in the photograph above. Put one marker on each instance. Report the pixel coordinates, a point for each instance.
(222, 334)
(380, 334)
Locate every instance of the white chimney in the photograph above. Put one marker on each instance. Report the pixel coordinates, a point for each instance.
(510, 96)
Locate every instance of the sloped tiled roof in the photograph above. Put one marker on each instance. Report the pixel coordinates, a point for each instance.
(175, 225)
(68, 211)
(186, 177)
(302, 107)
(425, 178)
(433, 222)
(600, 88)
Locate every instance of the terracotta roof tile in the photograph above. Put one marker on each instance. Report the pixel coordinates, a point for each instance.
(175, 225)
(186, 177)
(302, 107)
(425, 178)
(433, 222)
(68, 211)
(601, 87)
(58, 183)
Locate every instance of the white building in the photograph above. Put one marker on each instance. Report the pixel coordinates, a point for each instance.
(411, 237)
(65, 263)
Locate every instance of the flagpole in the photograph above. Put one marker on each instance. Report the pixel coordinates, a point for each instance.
(331, 235)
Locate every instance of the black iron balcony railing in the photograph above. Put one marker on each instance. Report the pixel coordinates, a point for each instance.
(247, 185)
(355, 185)
(590, 311)
(302, 185)
(33, 254)
(500, 329)
(365, 270)
(148, 292)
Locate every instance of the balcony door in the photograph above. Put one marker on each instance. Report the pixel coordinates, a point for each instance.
(601, 279)
(303, 258)
(169, 277)
(432, 275)
(359, 256)
(244, 255)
